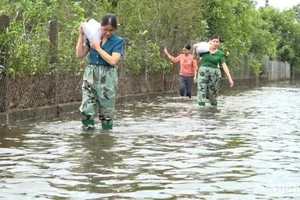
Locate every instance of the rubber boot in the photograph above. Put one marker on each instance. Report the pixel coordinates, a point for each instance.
(107, 125)
(88, 123)
(215, 103)
(201, 103)
(189, 95)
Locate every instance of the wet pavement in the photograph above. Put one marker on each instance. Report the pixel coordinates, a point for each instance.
(246, 148)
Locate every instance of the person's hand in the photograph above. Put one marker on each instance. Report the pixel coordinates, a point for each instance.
(165, 50)
(195, 47)
(81, 29)
(195, 79)
(194, 51)
(231, 83)
(95, 44)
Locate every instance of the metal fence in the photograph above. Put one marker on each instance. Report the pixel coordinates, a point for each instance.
(38, 91)
(55, 88)
(277, 71)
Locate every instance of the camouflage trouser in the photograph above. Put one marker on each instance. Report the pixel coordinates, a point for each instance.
(99, 89)
(209, 80)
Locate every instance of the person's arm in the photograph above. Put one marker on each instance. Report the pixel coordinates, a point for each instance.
(226, 70)
(110, 59)
(167, 53)
(171, 58)
(81, 48)
(195, 69)
(195, 56)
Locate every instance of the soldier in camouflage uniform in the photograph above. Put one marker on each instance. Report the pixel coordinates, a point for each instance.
(100, 78)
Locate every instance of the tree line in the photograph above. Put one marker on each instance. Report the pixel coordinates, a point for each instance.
(147, 26)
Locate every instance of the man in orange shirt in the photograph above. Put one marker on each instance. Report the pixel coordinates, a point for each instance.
(188, 70)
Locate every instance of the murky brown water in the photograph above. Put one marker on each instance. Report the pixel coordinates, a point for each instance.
(247, 148)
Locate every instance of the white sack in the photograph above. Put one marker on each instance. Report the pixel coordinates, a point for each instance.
(91, 30)
(202, 47)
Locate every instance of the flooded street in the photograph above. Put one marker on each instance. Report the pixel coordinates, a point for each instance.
(246, 148)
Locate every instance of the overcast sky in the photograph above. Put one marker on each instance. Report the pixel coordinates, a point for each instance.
(280, 4)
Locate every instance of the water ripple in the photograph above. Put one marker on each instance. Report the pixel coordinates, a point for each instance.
(247, 148)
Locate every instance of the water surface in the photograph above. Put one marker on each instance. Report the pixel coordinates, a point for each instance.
(246, 148)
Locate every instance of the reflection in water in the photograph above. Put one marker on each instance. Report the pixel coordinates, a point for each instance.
(246, 148)
(97, 161)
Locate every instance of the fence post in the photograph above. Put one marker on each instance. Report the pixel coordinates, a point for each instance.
(53, 50)
(175, 52)
(4, 79)
(144, 85)
(292, 72)
(53, 37)
(162, 55)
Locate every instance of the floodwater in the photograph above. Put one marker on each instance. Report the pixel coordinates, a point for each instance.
(246, 148)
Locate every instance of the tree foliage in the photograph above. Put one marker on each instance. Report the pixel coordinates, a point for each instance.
(147, 27)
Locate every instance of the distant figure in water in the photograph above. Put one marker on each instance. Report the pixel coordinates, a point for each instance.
(188, 70)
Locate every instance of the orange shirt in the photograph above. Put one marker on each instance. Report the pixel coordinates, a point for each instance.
(188, 65)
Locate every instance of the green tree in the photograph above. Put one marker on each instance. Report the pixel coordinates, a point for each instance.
(147, 27)
(297, 9)
(154, 24)
(283, 28)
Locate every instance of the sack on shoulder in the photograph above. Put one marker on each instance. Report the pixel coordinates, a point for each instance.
(202, 47)
(91, 30)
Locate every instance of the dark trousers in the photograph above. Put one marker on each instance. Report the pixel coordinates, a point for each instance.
(185, 84)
